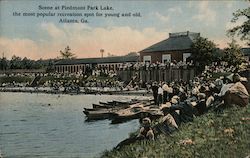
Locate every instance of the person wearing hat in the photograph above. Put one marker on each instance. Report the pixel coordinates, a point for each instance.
(155, 91)
(146, 131)
(236, 78)
(201, 105)
(186, 112)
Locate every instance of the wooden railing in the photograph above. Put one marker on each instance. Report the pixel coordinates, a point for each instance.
(167, 75)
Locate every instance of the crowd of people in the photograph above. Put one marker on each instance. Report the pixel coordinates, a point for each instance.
(57, 80)
(146, 65)
(182, 101)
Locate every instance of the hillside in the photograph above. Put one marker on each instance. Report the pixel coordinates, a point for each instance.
(211, 135)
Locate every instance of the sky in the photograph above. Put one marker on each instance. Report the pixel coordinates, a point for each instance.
(44, 37)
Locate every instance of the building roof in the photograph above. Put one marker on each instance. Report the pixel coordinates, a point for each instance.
(115, 59)
(176, 41)
(246, 51)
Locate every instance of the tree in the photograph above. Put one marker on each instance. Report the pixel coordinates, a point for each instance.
(132, 54)
(66, 54)
(3, 64)
(233, 54)
(203, 52)
(110, 55)
(50, 66)
(15, 62)
(27, 63)
(243, 30)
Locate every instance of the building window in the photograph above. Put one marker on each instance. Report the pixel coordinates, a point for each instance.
(166, 58)
(147, 59)
(185, 56)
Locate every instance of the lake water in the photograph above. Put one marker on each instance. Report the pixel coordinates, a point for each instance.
(29, 127)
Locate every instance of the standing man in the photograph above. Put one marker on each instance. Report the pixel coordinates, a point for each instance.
(160, 94)
(155, 91)
(165, 92)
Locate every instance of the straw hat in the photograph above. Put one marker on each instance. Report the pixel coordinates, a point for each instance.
(154, 83)
(146, 121)
(244, 79)
(193, 103)
(202, 95)
(195, 91)
(175, 99)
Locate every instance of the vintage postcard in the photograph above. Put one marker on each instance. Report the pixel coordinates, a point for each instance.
(127, 78)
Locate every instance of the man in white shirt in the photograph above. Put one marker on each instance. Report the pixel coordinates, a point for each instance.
(165, 92)
(160, 94)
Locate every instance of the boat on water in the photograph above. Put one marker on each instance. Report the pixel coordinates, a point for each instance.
(104, 110)
(99, 114)
(121, 111)
(101, 106)
(101, 111)
(138, 111)
(93, 109)
(104, 103)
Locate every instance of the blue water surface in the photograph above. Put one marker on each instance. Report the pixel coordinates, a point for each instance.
(46, 125)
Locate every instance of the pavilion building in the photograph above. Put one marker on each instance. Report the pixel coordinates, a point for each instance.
(177, 47)
(85, 64)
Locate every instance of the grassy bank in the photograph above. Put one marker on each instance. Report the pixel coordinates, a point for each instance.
(16, 79)
(211, 135)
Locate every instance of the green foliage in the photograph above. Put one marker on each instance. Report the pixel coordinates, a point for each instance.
(132, 54)
(25, 63)
(203, 52)
(211, 135)
(242, 30)
(3, 63)
(15, 62)
(233, 54)
(66, 54)
(16, 79)
(50, 66)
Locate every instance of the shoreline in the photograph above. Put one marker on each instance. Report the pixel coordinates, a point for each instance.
(94, 92)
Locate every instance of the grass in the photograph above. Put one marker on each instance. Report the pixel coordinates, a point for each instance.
(211, 135)
(16, 79)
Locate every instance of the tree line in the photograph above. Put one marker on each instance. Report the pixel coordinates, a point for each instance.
(24, 63)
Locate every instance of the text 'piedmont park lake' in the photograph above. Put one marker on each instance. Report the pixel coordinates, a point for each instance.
(29, 127)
